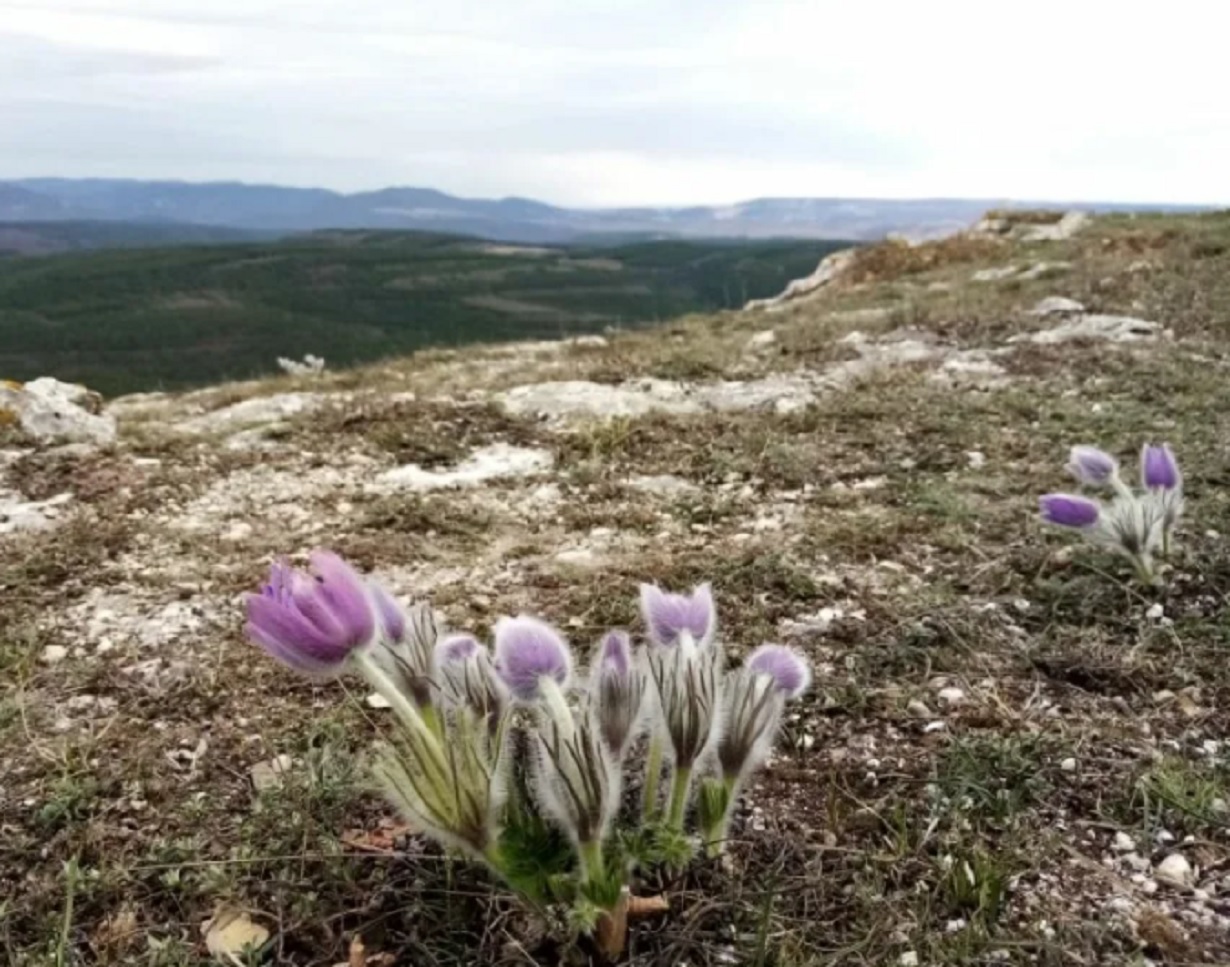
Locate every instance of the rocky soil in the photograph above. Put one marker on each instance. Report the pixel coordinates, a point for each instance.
(1011, 755)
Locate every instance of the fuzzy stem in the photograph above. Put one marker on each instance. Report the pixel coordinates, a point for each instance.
(653, 775)
(715, 837)
(431, 718)
(406, 710)
(1165, 542)
(679, 797)
(592, 866)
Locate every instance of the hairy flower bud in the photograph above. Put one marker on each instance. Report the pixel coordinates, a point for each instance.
(453, 785)
(751, 710)
(578, 781)
(687, 683)
(1158, 468)
(784, 667)
(406, 645)
(527, 651)
(1092, 466)
(617, 690)
(467, 677)
(1069, 510)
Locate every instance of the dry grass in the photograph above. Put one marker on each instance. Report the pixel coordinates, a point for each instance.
(985, 840)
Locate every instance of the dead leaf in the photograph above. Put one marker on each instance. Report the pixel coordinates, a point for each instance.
(115, 934)
(230, 935)
(647, 906)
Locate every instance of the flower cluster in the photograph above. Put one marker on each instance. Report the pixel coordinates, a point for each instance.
(450, 768)
(1138, 525)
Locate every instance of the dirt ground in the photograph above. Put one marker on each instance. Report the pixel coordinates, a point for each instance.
(1007, 744)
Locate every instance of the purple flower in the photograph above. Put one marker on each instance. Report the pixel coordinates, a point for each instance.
(784, 666)
(617, 689)
(1092, 466)
(456, 649)
(669, 616)
(1158, 468)
(528, 650)
(312, 622)
(1068, 510)
(392, 617)
(615, 654)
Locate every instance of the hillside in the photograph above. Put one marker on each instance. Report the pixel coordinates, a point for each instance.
(162, 318)
(54, 237)
(1012, 752)
(285, 209)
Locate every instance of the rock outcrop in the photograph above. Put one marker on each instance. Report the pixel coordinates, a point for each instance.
(49, 411)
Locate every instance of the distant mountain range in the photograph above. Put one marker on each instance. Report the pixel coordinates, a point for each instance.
(276, 209)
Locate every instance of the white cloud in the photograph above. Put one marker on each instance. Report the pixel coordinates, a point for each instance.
(635, 102)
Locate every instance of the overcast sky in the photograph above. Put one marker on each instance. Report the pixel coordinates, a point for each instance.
(603, 102)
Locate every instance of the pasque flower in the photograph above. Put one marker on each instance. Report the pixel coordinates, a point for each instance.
(1069, 510)
(784, 667)
(670, 616)
(753, 699)
(617, 691)
(1158, 468)
(1093, 466)
(527, 651)
(313, 622)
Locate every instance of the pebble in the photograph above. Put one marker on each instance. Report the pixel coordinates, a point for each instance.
(267, 775)
(1154, 612)
(951, 696)
(919, 709)
(376, 700)
(1176, 869)
(1123, 843)
(54, 654)
(1068, 765)
(908, 959)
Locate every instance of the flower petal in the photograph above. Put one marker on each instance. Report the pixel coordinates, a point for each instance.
(1069, 510)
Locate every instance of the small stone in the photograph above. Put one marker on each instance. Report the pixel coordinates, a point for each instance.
(268, 775)
(951, 696)
(1219, 806)
(1155, 612)
(976, 459)
(1175, 869)
(762, 341)
(1202, 896)
(54, 654)
(1068, 765)
(1123, 843)
(908, 959)
(1163, 696)
(376, 700)
(934, 727)
(919, 709)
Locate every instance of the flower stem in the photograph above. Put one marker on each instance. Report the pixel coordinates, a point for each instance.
(653, 775)
(715, 837)
(406, 710)
(592, 866)
(679, 797)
